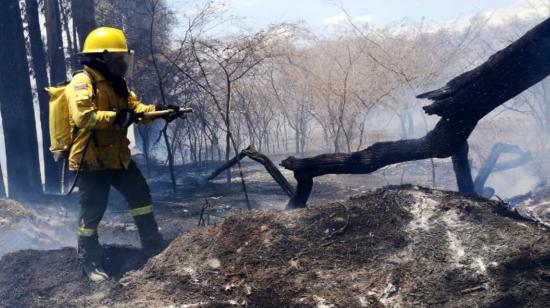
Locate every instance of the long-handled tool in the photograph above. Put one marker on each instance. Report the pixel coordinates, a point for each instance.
(162, 113)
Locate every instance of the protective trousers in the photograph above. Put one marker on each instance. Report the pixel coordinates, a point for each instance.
(94, 187)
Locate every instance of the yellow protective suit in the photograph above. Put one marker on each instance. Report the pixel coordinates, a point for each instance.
(95, 111)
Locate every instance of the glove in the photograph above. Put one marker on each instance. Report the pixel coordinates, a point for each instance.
(125, 117)
(173, 115)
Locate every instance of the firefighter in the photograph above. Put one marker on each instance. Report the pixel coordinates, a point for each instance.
(101, 107)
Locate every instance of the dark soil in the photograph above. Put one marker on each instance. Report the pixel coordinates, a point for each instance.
(395, 247)
(34, 278)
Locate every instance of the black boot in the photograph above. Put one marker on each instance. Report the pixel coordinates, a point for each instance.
(149, 234)
(90, 257)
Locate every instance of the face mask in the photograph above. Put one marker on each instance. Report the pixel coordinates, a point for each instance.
(120, 63)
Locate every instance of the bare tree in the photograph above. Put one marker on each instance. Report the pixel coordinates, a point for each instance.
(56, 53)
(39, 67)
(16, 108)
(83, 13)
(2, 187)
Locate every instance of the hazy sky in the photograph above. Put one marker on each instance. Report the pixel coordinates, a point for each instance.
(321, 13)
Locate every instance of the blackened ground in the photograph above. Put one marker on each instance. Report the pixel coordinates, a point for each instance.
(33, 278)
(401, 246)
(398, 246)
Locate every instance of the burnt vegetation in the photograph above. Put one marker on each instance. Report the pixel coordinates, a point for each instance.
(356, 109)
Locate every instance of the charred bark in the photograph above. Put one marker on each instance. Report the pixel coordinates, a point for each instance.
(65, 11)
(443, 141)
(39, 65)
(251, 153)
(56, 54)
(503, 76)
(2, 187)
(463, 170)
(83, 18)
(16, 107)
(461, 104)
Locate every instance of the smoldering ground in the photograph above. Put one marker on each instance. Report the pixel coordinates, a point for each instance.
(399, 246)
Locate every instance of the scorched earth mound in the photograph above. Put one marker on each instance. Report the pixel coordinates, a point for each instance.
(395, 247)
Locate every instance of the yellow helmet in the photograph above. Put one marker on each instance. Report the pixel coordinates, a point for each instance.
(105, 39)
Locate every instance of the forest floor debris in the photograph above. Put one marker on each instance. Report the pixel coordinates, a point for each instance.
(534, 205)
(11, 212)
(397, 246)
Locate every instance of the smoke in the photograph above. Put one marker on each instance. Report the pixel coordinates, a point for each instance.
(32, 235)
(24, 227)
(513, 182)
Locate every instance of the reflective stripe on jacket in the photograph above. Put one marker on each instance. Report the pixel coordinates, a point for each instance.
(95, 111)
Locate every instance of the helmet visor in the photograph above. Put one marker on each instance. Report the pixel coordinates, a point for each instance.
(120, 63)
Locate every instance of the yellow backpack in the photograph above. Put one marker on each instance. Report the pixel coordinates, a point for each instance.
(61, 131)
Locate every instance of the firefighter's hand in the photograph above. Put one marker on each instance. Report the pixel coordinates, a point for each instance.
(125, 117)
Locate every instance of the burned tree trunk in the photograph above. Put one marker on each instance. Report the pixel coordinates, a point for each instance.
(83, 18)
(16, 107)
(2, 188)
(39, 65)
(65, 11)
(56, 53)
(461, 104)
(251, 153)
(463, 170)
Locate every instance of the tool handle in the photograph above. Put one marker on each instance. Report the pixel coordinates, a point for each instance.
(162, 113)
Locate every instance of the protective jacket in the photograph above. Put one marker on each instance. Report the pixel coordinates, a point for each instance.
(92, 104)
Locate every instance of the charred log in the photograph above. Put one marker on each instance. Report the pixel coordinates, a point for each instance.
(270, 167)
(461, 104)
(443, 141)
(228, 164)
(253, 154)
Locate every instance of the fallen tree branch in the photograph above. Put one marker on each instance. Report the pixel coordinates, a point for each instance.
(270, 167)
(443, 141)
(253, 154)
(230, 163)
